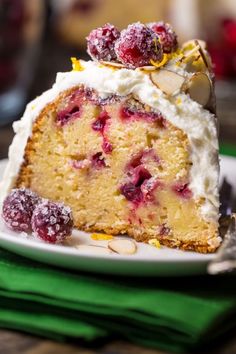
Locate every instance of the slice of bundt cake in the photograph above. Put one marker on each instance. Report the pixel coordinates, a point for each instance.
(128, 140)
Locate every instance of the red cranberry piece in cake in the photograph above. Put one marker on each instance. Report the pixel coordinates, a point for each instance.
(100, 125)
(18, 208)
(163, 230)
(98, 161)
(66, 115)
(139, 175)
(131, 192)
(167, 35)
(100, 122)
(137, 46)
(52, 222)
(148, 188)
(106, 146)
(73, 110)
(101, 42)
(141, 158)
(182, 190)
(131, 113)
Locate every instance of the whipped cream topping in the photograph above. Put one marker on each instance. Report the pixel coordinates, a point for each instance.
(198, 123)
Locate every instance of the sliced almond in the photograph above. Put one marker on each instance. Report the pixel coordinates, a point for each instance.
(197, 49)
(167, 81)
(199, 88)
(112, 64)
(147, 68)
(192, 42)
(123, 246)
(188, 54)
(92, 249)
(205, 58)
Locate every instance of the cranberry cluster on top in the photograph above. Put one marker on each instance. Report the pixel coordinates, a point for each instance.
(135, 46)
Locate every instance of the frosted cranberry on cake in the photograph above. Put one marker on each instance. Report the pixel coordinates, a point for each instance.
(128, 140)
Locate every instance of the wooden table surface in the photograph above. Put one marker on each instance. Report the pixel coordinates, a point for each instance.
(55, 58)
(12, 342)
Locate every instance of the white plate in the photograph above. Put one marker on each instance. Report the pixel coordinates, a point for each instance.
(148, 261)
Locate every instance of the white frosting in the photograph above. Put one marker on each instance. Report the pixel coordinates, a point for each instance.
(199, 124)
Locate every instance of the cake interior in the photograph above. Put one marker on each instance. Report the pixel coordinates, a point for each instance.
(121, 167)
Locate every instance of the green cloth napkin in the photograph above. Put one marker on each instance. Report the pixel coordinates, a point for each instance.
(174, 314)
(228, 149)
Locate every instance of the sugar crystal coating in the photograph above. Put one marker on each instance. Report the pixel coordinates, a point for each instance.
(18, 208)
(137, 46)
(101, 42)
(52, 222)
(167, 35)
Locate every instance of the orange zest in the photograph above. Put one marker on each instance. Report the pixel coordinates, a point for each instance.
(161, 63)
(101, 237)
(76, 65)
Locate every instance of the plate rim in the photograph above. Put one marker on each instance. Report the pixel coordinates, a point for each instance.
(60, 250)
(70, 251)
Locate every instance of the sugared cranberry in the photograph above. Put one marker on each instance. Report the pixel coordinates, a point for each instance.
(101, 42)
(182, 190)
(167, 35)
(98, 161)
(131, 192)
(137, 46)
(18, 208)
(52, 222)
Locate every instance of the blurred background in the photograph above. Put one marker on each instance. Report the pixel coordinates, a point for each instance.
(38, 37)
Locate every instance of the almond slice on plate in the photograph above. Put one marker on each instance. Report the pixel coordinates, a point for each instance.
(123, 246)
(199, 88)
(167, 81)
(92, 249)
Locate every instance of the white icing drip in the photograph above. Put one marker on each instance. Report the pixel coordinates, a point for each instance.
(198, 123)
